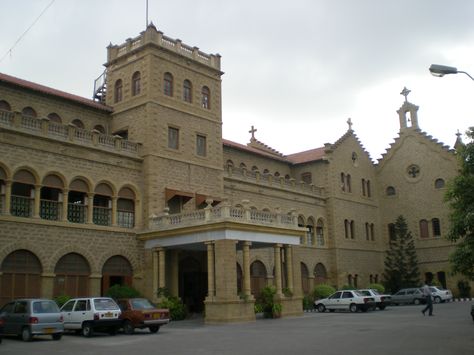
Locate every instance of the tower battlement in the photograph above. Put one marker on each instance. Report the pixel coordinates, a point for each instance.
(154, 37)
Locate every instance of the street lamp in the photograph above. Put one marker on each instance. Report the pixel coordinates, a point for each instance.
(441, 70)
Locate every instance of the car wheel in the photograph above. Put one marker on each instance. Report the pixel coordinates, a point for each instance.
(353, 308)
(87, 330)
(154, 328)
(437, 299)
(416, 301)
(57, 336)
(128, 327)
(26, 334)
(321, 308)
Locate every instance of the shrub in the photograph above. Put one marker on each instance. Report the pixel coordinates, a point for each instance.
(175, 306)
(379, 287)
(270, 307)
(60, 300)
(347, 287)
(258, 308)
(122, 291)
(308, 303)
(287, 292)
(323, 291)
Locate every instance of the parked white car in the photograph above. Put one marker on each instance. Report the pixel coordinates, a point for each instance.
(87, 314)
(381, 300)
(345, 300)
(441, 295)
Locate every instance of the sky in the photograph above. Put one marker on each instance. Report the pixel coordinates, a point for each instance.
(296, 70)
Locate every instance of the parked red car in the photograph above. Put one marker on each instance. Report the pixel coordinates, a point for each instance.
(141, 313)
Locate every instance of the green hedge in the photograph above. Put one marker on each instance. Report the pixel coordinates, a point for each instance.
(323, 291)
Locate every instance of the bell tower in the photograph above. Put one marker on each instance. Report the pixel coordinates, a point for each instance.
(167, 96)
(408, 113)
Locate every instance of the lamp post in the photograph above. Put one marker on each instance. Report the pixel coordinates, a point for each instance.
(441, 70)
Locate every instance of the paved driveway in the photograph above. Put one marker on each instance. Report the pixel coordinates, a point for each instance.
(396, 330)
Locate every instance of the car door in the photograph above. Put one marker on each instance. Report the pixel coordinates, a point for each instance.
(399, 297)
(334, 300)
(80, 313)
(66, 312)
(346, 299)
(7, 314)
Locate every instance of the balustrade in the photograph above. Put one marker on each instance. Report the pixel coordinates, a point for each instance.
(50, 210)
(21, 206)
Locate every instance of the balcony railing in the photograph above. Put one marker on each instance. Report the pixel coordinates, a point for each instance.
(50, 210)
(222, 214)
(21, 206)
(76, 213)
(126, 219)
(102, 216)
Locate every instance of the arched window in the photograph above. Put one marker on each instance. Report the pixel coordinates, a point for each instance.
(54, 117)
(102, 212)
(242, 166)
(352, 227)
(77, 201)
(369, 192)
(436, 228)
(99, 128)
(116, 271)
(304, 278)
(136, 83)
(346, 229)
(205, 97)
(22, 195)
(277, 174)
(348, 179)
(367, 231)
(51, 198)
(439, 183)
(372, 232)
(349, 280)
(343, 182)
(78, 123)
(72, 276)
(363, 187)
(390, 191)
(126, 208)
(187, 91)
(320, 233)
(424, 233)
(118, 91)
(5, 106)
(320, 274)
(21, 276)
(307, 178)
(28, 111)
(168, 84)
(255, 168)
(301, 224)
(266, 171)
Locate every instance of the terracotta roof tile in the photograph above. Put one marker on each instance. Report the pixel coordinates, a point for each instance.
(306, 156)
(50, 91)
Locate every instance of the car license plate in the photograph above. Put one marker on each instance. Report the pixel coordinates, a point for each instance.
(156, 316)
(109, 315)
(48, 330)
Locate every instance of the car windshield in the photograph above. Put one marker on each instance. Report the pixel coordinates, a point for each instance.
(104, 304)
(365, 292)
(45, 307)
(375, 292)
(358, 293)
(142, 303)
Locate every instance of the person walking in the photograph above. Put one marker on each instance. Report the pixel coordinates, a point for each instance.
(429, 300)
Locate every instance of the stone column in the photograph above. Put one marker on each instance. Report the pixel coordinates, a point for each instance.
(8, 197)
(65, 205)
(311, 283)
(154, 273)
(114, 210)
(246, 268)
(90, 208)
(47, 285)
(95, 284)
(138, 215)
(277, 252)
(211, 286)
(225, 270)
(289, 266)
(37, 202)
(162, 268)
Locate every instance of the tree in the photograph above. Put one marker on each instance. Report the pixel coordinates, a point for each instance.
(460, 195)
(401, 262)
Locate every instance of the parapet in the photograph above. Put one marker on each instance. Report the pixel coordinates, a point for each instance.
(152, 36)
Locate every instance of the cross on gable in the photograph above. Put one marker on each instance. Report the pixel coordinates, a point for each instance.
(413, 171)
(349, 122)
(252, 131)
(405, 93)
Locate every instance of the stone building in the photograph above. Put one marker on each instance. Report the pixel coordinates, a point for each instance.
(138, 187)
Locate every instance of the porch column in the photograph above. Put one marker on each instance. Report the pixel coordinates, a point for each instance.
(277, 252)
(311, 283)
(211, 284)
(289, 266)
(154, 257)
(162, 268)
(37, 201)
(8, 197)
(90, 208)
(246, 262)
(65, 205)
(225, 270)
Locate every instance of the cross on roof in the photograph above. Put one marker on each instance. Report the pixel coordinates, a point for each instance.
(405, 93)
(252, 131)
(349, 122)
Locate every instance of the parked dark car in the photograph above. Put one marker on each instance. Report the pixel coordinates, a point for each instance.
(30, 317)
(1, 329)
(408, 296)
(472, 312)
(141, 313)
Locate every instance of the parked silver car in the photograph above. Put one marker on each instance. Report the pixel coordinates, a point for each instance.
(345, 300)
(441, 295)
(29, 317)
(408, 296)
